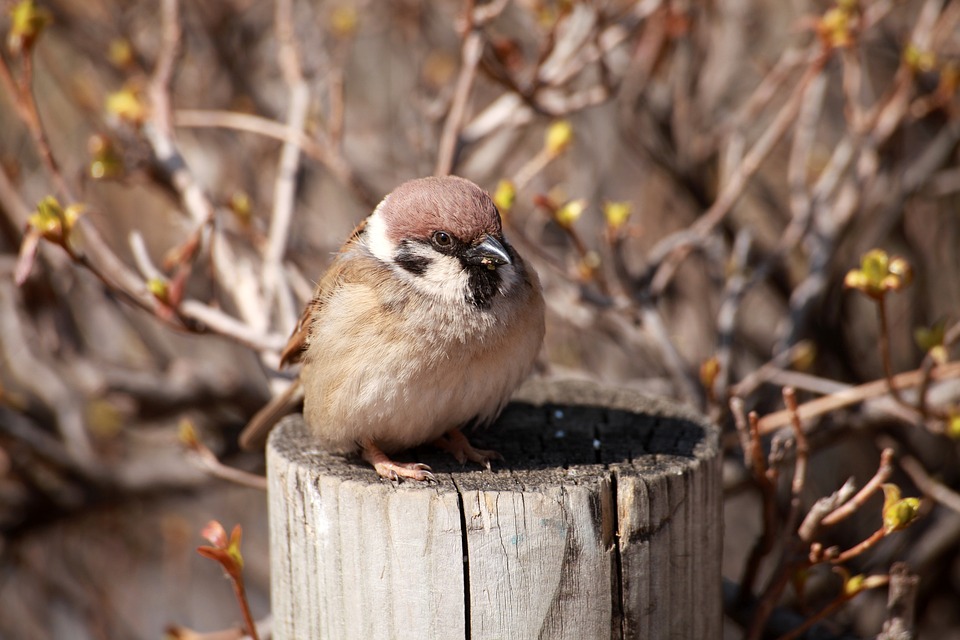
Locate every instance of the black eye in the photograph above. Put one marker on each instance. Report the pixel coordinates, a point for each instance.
(442, 239)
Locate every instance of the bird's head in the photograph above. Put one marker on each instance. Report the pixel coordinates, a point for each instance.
(444, 235)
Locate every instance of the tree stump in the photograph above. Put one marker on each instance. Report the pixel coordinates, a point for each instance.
(603, 521)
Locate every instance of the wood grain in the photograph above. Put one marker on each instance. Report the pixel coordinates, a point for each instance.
(604, 521)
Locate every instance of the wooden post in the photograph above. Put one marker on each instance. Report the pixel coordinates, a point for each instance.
(604, 521)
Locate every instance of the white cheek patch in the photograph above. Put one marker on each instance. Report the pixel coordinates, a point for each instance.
(444, 276)
(376, 237)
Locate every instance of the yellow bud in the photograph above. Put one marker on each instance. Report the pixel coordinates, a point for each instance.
(120, 53)
(505, 195)
(930, 339)
(805, 355)
(48, 218)
(187, 434)
(547, 16)
(919, 61)
(856, 279)
(558, 138)
(438, 69)
(128, 105)
(879, 273)
(836, 27)
(158, 287)
(105, 162)
(103, 418)
(591, 260)
(952, 428)
(902, 271)
(588, 264)
(27, 21)
(853, 585)
(875, 265)
(891, 493)
(898, 513)
(570, 212)
(343, 21)
(71, 214)
(939, 354)
(233, 548)
(616, 214)
(709, 371)
(240, 205)
(52, 221)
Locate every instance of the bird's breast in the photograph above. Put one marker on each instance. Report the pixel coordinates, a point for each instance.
(403, 370)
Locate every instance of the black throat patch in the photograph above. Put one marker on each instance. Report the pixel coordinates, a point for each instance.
(484, 285)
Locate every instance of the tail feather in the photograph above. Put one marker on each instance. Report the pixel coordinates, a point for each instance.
(254, 435)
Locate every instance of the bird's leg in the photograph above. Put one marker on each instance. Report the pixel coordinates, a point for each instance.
(457, 445)
(387, 468)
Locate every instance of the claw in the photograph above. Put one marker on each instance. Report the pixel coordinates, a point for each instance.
(457, 445)
(395, 471)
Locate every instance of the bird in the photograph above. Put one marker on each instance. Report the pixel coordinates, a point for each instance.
(425, 323)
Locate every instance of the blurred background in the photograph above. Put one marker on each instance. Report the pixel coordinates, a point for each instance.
(692, 180)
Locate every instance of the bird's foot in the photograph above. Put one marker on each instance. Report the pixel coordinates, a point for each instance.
(457, 445)
(394, 471)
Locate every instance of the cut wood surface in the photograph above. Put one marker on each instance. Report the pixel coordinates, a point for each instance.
(603, 521)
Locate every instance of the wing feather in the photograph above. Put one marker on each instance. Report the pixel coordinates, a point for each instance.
(300, 338)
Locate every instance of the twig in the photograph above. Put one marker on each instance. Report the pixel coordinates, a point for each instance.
(141, 257)
(227, 554)
(822, 507)
(532, 167)
(884, 346)
(235, 275)
(159, 127)
(901, 602)
(804, 381)
(767, 371)
(873, 485)
(209, 462)
(653, 322)
(276, 292)
(860, 547)
(327, 155)
(660, 260)
(249, 122)
(799, 164)
(226, 325)
(521, 103)
(726, 316)
(743, 428)
(470, 53)
(768, 495)
(800, 462)
(22, 96)
(936, 491)
(43, 381)
(833, 606)
(820, 406)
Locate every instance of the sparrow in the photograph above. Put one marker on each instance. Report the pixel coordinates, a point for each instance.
(425, 323)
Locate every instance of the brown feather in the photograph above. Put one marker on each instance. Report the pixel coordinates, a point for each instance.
(300, 338)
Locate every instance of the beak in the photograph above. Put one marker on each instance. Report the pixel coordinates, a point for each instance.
(489, 251)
